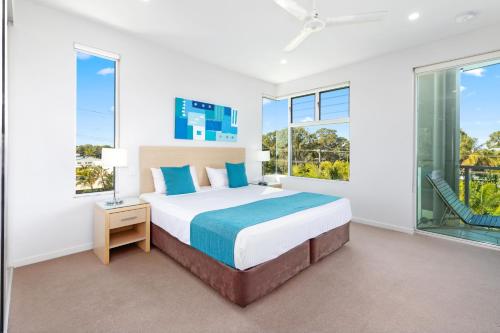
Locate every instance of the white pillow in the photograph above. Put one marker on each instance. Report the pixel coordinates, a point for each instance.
(194, 175)
(217, 177)
(159, 180)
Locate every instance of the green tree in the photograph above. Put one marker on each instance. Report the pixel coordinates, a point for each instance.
(86, 176)
(484, 186)
(88, 150)
(467, 146)
(494, 140)
(105, 178)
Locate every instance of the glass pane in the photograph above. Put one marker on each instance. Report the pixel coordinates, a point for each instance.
(438, 141)
(334, 104)
(303, 108)
(457, 140)
(321, 151)
(95, 121)
(480, 137)
(275, 135)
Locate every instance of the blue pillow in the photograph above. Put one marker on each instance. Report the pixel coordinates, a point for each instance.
(178, 180)
(236, 174)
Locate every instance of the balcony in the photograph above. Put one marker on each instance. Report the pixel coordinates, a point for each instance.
(480, 188)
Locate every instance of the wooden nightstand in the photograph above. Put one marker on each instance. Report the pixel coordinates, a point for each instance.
(119, 225)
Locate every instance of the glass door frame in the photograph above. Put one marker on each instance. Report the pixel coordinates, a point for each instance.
(455, 63)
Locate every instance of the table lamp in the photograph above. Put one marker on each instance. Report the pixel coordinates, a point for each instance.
(263, 156)
(114, 158)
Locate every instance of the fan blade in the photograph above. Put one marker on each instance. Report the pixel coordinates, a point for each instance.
(298, 40)
(357, 18)
(293, 8)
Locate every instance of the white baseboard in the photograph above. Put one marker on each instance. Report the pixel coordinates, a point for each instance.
(8, 289)
(51, 255)
(382, 225)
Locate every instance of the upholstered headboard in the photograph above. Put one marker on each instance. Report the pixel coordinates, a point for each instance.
(200, 157)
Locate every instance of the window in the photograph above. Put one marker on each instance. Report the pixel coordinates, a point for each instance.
(303, 108)
(317, 139)
(334, 104)
(95, 120)
(321, 151)
(275, 135)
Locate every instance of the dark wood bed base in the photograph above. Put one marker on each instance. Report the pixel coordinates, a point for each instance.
(244, 287)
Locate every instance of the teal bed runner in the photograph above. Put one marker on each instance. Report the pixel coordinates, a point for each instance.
(214, 232)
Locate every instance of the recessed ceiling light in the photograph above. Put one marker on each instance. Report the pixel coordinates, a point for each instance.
(465, 17)
(283, 61)
(414, 16)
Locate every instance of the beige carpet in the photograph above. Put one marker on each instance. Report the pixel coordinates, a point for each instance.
(381, 281)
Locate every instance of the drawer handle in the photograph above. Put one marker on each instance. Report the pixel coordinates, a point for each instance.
(129, 218)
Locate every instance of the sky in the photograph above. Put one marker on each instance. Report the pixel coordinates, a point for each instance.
(480, 102)
(95, 93)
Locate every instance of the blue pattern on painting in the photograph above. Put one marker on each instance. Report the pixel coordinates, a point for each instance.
(195, 120)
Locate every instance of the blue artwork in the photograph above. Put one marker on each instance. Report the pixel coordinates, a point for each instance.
(204, 121)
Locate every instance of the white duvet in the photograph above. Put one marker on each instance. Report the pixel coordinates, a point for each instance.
(256, 244)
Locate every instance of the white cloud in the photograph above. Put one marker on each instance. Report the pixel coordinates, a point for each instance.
(479, 72)
(106, 71)
(266, 101)
(462, 88)
(83, 56)
(307, 119)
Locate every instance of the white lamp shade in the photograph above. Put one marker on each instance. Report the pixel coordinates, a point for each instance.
(114, 157)
(263, 156)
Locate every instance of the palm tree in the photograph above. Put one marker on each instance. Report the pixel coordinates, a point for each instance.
(86, 176)
(104, 177)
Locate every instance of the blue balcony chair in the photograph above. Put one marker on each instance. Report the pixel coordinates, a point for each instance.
(458, 208)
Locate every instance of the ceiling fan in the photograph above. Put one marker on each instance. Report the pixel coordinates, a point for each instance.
(314, 23)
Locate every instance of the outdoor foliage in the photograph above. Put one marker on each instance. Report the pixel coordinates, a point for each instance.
(90, 150)
(92, 178)
(319, 154)
(484, 188)
(277, 144)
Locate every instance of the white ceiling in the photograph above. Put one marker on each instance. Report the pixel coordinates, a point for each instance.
(249, 36)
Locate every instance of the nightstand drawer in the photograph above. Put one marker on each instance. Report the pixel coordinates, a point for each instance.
(122, 219)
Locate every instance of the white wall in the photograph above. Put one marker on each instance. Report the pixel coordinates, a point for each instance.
(45, 219)
(382, 127)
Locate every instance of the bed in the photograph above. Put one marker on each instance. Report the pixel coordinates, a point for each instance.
(266, 255)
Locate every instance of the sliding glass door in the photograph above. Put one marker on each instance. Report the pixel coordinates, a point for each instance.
(458, 122)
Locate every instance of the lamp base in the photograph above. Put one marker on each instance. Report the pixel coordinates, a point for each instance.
(114, 202)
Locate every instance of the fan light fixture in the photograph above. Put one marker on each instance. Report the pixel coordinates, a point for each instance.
(313, 22)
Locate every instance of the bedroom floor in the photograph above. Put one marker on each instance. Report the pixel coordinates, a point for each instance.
(381, 281)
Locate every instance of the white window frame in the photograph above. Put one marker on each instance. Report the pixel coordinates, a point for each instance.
(116, 58)
(317, 121)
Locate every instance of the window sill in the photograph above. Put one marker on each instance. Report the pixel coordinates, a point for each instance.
(93, 194)
(318, 179)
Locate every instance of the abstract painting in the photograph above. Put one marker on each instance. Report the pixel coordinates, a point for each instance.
(202, 121)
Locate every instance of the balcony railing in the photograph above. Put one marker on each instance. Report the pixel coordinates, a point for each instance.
(478, 173)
